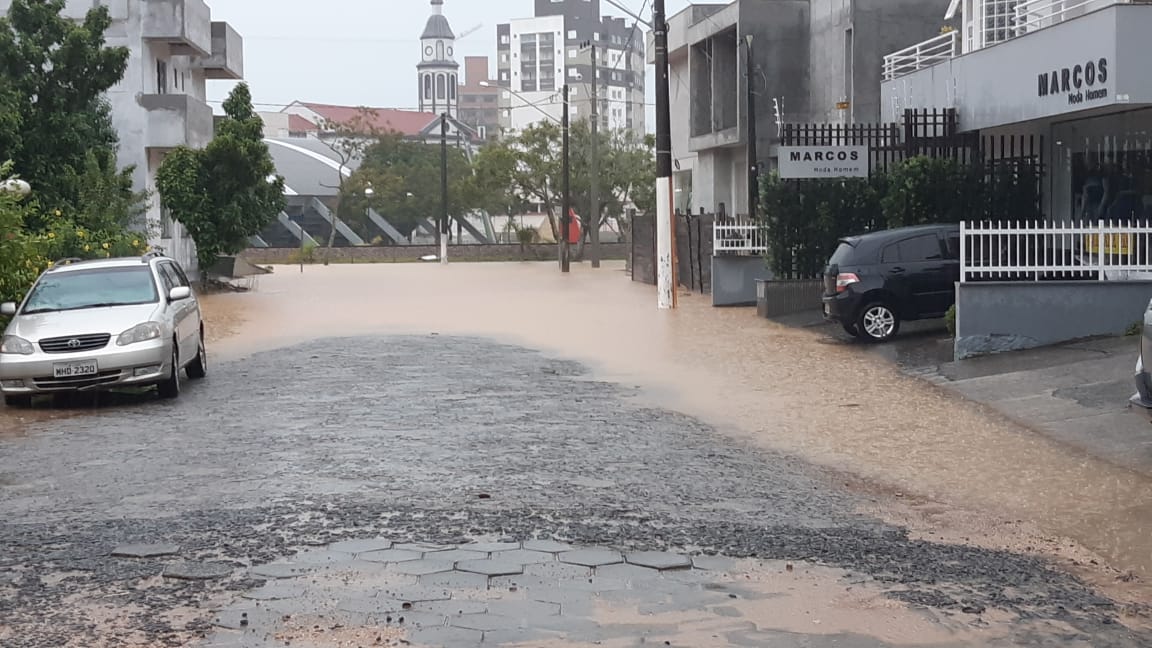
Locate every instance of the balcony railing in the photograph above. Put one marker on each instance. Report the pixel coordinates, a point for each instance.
(177, 120)
(922, 55)
(1027, 16)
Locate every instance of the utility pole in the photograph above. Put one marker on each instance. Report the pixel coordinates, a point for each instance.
(665, 223)
(753, 157)
(566, 188)
(444, 228)
(594, 213)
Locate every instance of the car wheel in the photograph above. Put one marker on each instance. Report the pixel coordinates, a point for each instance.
(851, 329)
(878, 322)
(18, 401)
(199, 367)
(170, 388)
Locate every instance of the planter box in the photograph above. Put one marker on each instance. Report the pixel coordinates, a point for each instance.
(787, 296)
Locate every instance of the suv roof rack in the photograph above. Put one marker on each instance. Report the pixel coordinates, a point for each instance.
(148, 256)
(67, 261)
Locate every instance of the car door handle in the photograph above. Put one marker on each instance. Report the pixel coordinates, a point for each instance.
(897, 270)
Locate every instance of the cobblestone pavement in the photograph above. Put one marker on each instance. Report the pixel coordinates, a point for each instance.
(436, 441)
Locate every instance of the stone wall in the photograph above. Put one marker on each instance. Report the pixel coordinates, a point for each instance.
(406, 253)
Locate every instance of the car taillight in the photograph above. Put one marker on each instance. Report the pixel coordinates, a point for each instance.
(845, 279)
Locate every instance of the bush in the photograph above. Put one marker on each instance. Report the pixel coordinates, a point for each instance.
(306, 254)
(950, 320)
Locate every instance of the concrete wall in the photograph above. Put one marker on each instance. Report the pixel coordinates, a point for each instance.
(734, 279)
(849, 39)
(401, 253)
(994, 317)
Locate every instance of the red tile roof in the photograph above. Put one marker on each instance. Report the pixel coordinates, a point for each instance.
(405, 122)
(297, 124)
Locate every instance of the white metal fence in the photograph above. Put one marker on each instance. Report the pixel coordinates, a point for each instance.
(922, 55)
(738, 236)
(1037, 14)
(1100, 250)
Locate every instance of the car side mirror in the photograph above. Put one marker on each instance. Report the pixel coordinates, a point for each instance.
(8, 309)
(179, 293)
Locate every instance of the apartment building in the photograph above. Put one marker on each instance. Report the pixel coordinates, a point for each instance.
(160, 103)
(537, 56)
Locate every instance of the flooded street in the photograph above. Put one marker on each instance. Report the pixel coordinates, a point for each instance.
(778, 387)
(498, 454)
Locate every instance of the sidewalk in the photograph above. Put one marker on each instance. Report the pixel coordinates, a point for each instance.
(1076, 393)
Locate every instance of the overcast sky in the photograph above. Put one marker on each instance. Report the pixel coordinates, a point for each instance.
(358, 52)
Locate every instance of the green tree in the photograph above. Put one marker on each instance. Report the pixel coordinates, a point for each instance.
(53, 75)
(405, 179)
(20, 261)
(228, 191)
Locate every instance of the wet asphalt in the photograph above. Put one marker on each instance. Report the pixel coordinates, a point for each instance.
(435, 440)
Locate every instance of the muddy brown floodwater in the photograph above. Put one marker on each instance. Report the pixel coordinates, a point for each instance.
(946, 468)
(778, 386)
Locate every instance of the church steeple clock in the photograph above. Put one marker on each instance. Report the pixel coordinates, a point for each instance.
(438, 70)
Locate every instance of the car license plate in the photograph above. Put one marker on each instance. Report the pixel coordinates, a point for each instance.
(75, 369)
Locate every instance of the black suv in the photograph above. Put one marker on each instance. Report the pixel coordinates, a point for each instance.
(875, 281)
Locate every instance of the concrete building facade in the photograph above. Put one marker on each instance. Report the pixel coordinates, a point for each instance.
(537, 56)
(479, 104)
(1072, 74)
(812, 61)
(160, 103)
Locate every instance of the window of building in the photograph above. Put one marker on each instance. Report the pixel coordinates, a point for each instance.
(504, 57)
(427, 86)
(441, 89)
(572, 53)
(572, 73)
(440, 50)
(504, 39)
(452, 87)
(572, 34)
(161, 77)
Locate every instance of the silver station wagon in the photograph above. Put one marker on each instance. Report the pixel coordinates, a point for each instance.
(100, 325)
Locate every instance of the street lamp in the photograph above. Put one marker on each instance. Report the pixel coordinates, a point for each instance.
(566, 206)
(16, 187)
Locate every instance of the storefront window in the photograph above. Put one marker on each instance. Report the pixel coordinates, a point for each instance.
(1107, 167)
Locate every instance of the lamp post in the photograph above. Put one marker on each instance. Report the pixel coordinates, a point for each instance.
(665, 220)
(753, 157)
(594, 163)
(16, 187)
(444, 227)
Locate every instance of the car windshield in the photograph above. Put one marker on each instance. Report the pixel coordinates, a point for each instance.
(78, 289)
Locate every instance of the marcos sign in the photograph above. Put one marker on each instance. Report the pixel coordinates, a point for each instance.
(1080, 83)
(823, 161)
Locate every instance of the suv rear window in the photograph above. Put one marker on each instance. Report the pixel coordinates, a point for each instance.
(843, 254)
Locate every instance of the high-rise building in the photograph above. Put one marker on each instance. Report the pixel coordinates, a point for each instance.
(438, 69)
(174, 50)
(537, 56)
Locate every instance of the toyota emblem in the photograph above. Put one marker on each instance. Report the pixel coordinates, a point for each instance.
(73, 343)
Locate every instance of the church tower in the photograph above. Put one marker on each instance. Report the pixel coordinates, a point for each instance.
(438, 69)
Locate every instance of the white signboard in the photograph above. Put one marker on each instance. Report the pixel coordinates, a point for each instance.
(823, 161)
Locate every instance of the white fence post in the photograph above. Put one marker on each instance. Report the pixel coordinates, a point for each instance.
(963, 251)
